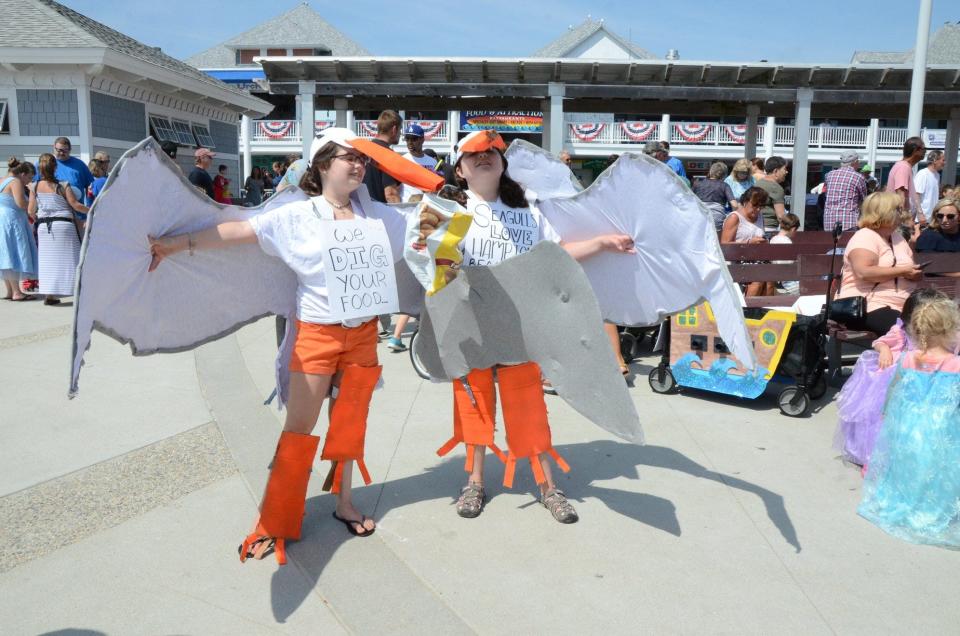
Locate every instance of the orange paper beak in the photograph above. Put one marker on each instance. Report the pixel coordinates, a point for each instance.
(396, 166)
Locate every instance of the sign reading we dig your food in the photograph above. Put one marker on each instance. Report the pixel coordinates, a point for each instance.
(359, 269)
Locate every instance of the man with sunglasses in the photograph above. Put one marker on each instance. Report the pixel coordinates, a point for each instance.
(381, 186)
(69, 169)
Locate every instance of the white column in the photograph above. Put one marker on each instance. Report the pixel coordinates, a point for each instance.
(246, 127)
(665, 127)
(949, 175)
(769, 137)
(340, 106)
(86, 124)
(798, 171)
(351, 124)
(556, 91)
(307, 107)
(873, 138)
(750, 146)
(453, 129)
(919, 69)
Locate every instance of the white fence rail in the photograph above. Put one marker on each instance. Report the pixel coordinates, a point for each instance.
(627, 133)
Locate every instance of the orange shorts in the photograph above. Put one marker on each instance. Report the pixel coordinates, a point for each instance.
(324, 349)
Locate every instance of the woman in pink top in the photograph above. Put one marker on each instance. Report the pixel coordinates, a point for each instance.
(878, 263)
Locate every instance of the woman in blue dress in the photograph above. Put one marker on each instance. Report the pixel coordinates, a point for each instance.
(18, 252)
(912, 486)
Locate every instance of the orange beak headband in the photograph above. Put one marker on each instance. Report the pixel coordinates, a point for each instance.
(480, 141)
(396, 166)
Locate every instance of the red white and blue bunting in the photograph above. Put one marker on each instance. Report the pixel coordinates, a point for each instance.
(275, 129)
(430, 128)
(321, 125)
(587, 132)
(693, 133)
(736, 133)
(368, 128)
(638, 130)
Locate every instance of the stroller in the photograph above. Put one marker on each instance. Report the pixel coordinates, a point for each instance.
(790, 349)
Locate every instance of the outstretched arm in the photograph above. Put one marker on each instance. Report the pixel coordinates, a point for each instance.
(582, 250)
(222, 235)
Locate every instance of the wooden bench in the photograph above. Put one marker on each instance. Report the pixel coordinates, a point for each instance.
(805, 261)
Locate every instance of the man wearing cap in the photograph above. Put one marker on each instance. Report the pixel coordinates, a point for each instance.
(414, 136)
(381, 186)
(846, 188)
(927, 182)
(199, 176)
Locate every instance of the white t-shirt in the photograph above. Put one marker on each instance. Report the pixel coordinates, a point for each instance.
(927, 184)
(427, 162)
(292, 233)
(499, 231)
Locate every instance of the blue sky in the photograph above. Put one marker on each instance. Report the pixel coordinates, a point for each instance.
(825, 31)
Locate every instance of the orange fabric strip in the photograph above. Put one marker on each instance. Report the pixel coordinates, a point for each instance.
(280, 550)
(364, 472)
(509, 470)
(564, 466)
(449, 446)
(537, 469)
(499, 453)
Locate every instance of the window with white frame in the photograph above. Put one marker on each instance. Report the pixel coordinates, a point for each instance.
(202, 134)
(162, 129)
(184, 135)
(4, 118)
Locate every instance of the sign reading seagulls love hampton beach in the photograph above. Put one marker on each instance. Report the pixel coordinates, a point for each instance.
(361, 280)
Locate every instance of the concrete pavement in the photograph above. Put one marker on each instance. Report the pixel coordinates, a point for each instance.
(120, 513)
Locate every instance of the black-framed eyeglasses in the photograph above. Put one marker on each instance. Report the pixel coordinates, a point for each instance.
(352, 159)
(55, 149)
(948, 217)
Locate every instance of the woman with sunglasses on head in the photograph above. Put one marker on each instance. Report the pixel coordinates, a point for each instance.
(505, 224)
(329, 357)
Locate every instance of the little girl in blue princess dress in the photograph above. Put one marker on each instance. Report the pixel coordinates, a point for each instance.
(860, 403)
(912, 485)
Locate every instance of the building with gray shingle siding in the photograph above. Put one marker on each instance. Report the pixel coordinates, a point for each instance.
(64, 74)
(944, 48)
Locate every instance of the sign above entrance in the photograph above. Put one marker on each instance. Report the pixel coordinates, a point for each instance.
(507, 121)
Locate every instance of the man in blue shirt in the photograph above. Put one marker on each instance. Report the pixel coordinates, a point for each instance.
(69, 169)
(675, 164)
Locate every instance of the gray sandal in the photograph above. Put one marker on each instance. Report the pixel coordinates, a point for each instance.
(470, 503)
(561, 509)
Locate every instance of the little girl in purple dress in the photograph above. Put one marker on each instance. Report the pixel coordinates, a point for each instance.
(860, 403)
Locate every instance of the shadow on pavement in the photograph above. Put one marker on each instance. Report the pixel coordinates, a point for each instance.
(591, 462)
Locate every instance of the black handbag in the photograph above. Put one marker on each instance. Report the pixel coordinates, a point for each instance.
(849, 311)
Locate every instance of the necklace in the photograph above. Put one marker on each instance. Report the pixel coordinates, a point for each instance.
(338, 206)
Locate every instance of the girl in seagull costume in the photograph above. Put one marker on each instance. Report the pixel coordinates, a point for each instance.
(194, 294)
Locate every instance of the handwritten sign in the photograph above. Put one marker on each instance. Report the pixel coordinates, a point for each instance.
(359, 268)
(497, 234)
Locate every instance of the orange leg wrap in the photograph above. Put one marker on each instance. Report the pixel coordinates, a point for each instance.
(525, 420)
(348, 422)
(473, 424)
(281, 511)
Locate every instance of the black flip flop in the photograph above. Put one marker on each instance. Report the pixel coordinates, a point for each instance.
(349, 523)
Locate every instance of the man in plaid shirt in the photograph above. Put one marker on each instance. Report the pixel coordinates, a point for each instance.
(846, 189)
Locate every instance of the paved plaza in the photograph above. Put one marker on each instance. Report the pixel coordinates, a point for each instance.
(120, 513)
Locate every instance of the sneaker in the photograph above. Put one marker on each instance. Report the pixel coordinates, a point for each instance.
(561, 509)
(470, 503)
(395, 344)
(548, 388)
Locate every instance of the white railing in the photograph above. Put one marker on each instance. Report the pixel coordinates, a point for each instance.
(891, 137)
(435, 130)
(272, 131)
